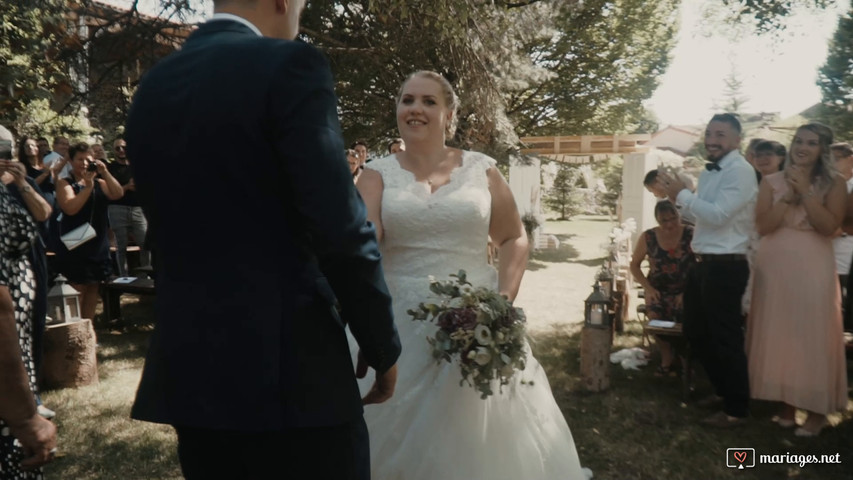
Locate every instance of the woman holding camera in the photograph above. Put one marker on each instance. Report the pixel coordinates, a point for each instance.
(83, 197)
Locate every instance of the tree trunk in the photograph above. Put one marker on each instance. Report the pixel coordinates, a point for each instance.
(595, 358)
(69, 355)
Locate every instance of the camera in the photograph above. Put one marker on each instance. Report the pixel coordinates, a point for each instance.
(92, 167)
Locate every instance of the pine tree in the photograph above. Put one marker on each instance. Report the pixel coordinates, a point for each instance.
(563, 196)
(836, 80)
(733, 97)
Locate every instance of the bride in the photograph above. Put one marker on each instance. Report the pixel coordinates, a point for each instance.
(434, 208)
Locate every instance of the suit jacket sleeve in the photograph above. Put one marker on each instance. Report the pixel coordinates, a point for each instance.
(307, 139)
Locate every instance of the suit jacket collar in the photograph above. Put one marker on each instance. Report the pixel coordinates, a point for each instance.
(214, 27)
(235, 18)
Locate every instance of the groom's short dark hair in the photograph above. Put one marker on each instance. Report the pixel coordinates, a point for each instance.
(729, 118)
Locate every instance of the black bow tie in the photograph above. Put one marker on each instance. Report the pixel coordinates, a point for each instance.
(710, 166)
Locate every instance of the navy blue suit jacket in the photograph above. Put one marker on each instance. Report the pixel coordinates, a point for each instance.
(262, 247)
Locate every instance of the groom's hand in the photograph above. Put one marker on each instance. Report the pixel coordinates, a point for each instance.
(383, 387)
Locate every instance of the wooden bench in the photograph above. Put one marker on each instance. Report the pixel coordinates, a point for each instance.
(111, 293)
(675, 336)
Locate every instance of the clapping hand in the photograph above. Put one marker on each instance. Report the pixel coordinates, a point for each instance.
(16, 169)
(798, 179)
(671, 184)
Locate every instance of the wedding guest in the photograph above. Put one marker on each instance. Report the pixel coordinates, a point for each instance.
(354, 163)
(84, 198)
(44, 147)
(657, 188)
(794, 337)
(843, 154)
(361, 149)
(27, 193)
(27, 440)
(767, 157)
(396, 145)
(57, 160)
(650, 181)
(98, 153)
(667, 248)
(125, 214)
(749, 154)
(842, 244)
(430, 225)
(723, 206)
(28, 154)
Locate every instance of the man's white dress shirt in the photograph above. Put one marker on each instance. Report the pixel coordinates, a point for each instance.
(723, 207)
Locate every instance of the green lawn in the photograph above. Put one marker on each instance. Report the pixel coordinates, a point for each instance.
(638, 429)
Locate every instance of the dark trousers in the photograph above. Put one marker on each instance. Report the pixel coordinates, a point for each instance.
(714, 326)
(323, 453)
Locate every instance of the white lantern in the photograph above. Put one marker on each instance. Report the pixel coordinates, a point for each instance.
(63, 301)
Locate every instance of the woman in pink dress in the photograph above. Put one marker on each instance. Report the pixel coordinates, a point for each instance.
(794, 336)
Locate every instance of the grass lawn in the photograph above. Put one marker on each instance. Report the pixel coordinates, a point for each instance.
(638, 429)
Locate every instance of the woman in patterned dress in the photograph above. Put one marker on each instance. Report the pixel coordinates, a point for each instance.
(667, 247)
(19, 420)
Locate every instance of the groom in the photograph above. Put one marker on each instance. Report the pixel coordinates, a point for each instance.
(262, 255)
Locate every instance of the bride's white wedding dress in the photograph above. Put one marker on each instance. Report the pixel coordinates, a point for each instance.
(433, 428)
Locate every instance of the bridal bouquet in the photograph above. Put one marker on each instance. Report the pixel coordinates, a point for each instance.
(478, 327)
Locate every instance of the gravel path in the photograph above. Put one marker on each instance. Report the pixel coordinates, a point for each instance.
(558, 281)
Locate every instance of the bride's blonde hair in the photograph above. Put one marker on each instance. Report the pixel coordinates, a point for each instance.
(447, 91)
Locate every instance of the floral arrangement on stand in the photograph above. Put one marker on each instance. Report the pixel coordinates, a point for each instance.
(619, 247)
(478, 328)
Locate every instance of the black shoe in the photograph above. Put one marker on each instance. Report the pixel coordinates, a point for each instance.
(721, 420)
(710, 402)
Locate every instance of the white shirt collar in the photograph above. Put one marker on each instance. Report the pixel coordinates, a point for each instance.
(235, 18)
(728, 158)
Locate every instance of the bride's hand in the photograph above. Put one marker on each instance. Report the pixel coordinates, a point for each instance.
(383, 388)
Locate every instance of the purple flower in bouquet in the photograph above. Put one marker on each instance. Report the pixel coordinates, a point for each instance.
(458, 319)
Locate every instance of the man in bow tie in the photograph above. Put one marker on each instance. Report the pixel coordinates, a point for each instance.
(723, 208)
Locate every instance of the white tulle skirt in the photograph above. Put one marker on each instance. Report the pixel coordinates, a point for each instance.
(435, 429)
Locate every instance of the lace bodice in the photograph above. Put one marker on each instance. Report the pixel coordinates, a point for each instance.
(441, 232)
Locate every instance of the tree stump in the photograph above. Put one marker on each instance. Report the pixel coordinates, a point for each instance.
(69, 355)
(595, 358)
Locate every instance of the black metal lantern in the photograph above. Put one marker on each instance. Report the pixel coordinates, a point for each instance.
(63, 301)
(597, 309)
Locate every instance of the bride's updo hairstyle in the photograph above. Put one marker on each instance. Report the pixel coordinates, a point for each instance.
(450, 98)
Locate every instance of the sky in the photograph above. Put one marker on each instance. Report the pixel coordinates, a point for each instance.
(777, 77)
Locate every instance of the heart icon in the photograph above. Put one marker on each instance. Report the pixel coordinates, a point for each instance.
(740, 456)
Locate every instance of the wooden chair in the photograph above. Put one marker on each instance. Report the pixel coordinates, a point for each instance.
(675, 336)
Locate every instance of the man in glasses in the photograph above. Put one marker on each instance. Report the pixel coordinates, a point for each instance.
(126, 215)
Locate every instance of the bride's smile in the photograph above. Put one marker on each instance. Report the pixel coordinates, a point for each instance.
(422, 112)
